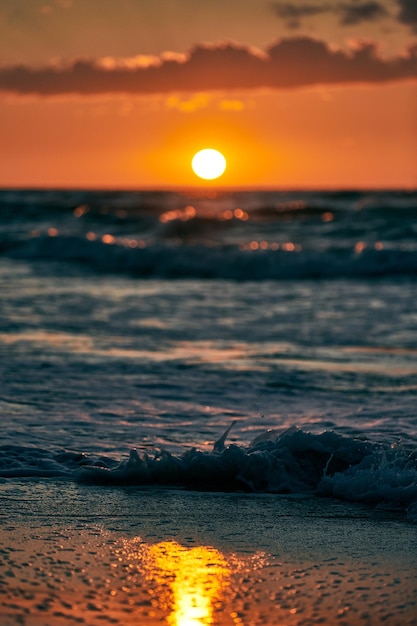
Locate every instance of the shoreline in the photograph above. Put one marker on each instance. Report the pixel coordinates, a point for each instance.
(97, 555)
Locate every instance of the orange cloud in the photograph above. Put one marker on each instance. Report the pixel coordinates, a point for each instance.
(231, 105)
(189, 105)
(289, 63)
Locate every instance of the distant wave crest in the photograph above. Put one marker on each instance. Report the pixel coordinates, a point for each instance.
(233, 262)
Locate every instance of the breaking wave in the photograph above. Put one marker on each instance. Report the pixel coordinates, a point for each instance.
(290, 462)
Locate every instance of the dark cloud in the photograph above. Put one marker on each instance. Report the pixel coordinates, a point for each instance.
(289, 63)
(349, 13)
(292, 14)
(305, 61)
(408, 13)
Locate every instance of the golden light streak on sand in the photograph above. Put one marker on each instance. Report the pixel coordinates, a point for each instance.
(195, 579)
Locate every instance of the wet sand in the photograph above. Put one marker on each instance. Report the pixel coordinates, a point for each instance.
(76, 554)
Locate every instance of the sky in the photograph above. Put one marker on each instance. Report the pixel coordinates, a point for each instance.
(122, 93)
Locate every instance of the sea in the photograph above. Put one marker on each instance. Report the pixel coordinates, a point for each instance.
(211, 341)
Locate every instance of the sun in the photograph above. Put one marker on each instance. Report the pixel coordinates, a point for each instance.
(208, 164)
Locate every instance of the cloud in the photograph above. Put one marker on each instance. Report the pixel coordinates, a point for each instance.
(408, 13)
(351, 14)
(47, 9)
(289, 63)
(348, 13)
(188, 105)
(292, 14)
(231, 105)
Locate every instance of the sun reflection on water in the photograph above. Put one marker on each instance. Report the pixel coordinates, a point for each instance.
(196, 579)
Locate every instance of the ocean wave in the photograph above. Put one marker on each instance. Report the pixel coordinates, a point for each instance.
(252, 261)
(170, 215)
(289, 462)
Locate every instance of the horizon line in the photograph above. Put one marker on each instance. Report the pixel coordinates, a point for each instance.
(208, 189)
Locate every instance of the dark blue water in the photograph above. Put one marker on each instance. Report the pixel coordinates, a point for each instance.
(152, 321)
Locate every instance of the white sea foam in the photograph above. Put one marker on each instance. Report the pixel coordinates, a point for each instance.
(292, 462)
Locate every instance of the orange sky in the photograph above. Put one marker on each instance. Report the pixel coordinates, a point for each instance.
(310, 105)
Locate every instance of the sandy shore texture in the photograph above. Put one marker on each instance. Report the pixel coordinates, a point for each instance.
(76, 554)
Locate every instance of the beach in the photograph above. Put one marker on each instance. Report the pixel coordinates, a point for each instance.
(208, 408)
(72, 554)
